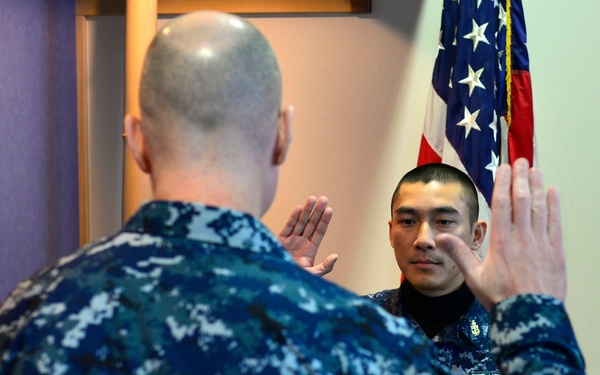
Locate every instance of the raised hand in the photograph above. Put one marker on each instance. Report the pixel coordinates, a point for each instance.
(303, 232)
(526, 253)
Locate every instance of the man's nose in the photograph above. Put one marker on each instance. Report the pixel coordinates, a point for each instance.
(425, 237)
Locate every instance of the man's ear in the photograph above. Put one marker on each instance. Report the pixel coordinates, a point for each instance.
(390, 232)
(479, 231)
(284, 135)
(136, 142)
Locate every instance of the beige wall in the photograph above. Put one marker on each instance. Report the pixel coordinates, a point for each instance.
(359, 85)
(563, 40)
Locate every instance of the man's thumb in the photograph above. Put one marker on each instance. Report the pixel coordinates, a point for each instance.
(459, 252)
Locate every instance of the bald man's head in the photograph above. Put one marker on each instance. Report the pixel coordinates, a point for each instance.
(207, 72)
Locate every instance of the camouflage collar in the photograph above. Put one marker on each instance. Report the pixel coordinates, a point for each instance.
(196, 221)
(475, 324)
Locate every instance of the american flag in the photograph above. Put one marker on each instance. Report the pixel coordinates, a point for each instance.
(469, 122)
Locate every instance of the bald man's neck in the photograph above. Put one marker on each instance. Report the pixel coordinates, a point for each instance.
(212, 185)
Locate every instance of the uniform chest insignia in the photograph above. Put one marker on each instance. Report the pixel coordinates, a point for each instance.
(475, 328)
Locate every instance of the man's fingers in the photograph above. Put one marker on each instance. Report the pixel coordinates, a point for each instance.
(557, 255)
(316, 218)
(521, 194)
(328, 263)
(501, 203)
(304, 215)
(290, 224)
(324, 268)
(321, 227)
(554, 222)
(461, 254)
(539, 210)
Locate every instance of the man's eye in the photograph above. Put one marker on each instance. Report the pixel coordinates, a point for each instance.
(406, 221)
(444, 222)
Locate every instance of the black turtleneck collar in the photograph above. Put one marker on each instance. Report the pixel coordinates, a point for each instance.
(433, 314)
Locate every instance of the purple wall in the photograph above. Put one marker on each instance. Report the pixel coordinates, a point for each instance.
(38, 136)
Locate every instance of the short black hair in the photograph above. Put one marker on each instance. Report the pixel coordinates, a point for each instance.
(444, 174)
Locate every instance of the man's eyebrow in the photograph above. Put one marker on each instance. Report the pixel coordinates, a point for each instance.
(446, 210)
(403, 210)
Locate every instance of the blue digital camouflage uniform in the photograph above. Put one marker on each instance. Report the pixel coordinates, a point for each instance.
(463, 346)
(188, 289)
(540, 319)
(525, 334)
(193, 289)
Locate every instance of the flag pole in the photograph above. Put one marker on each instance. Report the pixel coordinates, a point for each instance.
(508, 64)
(140, 19)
